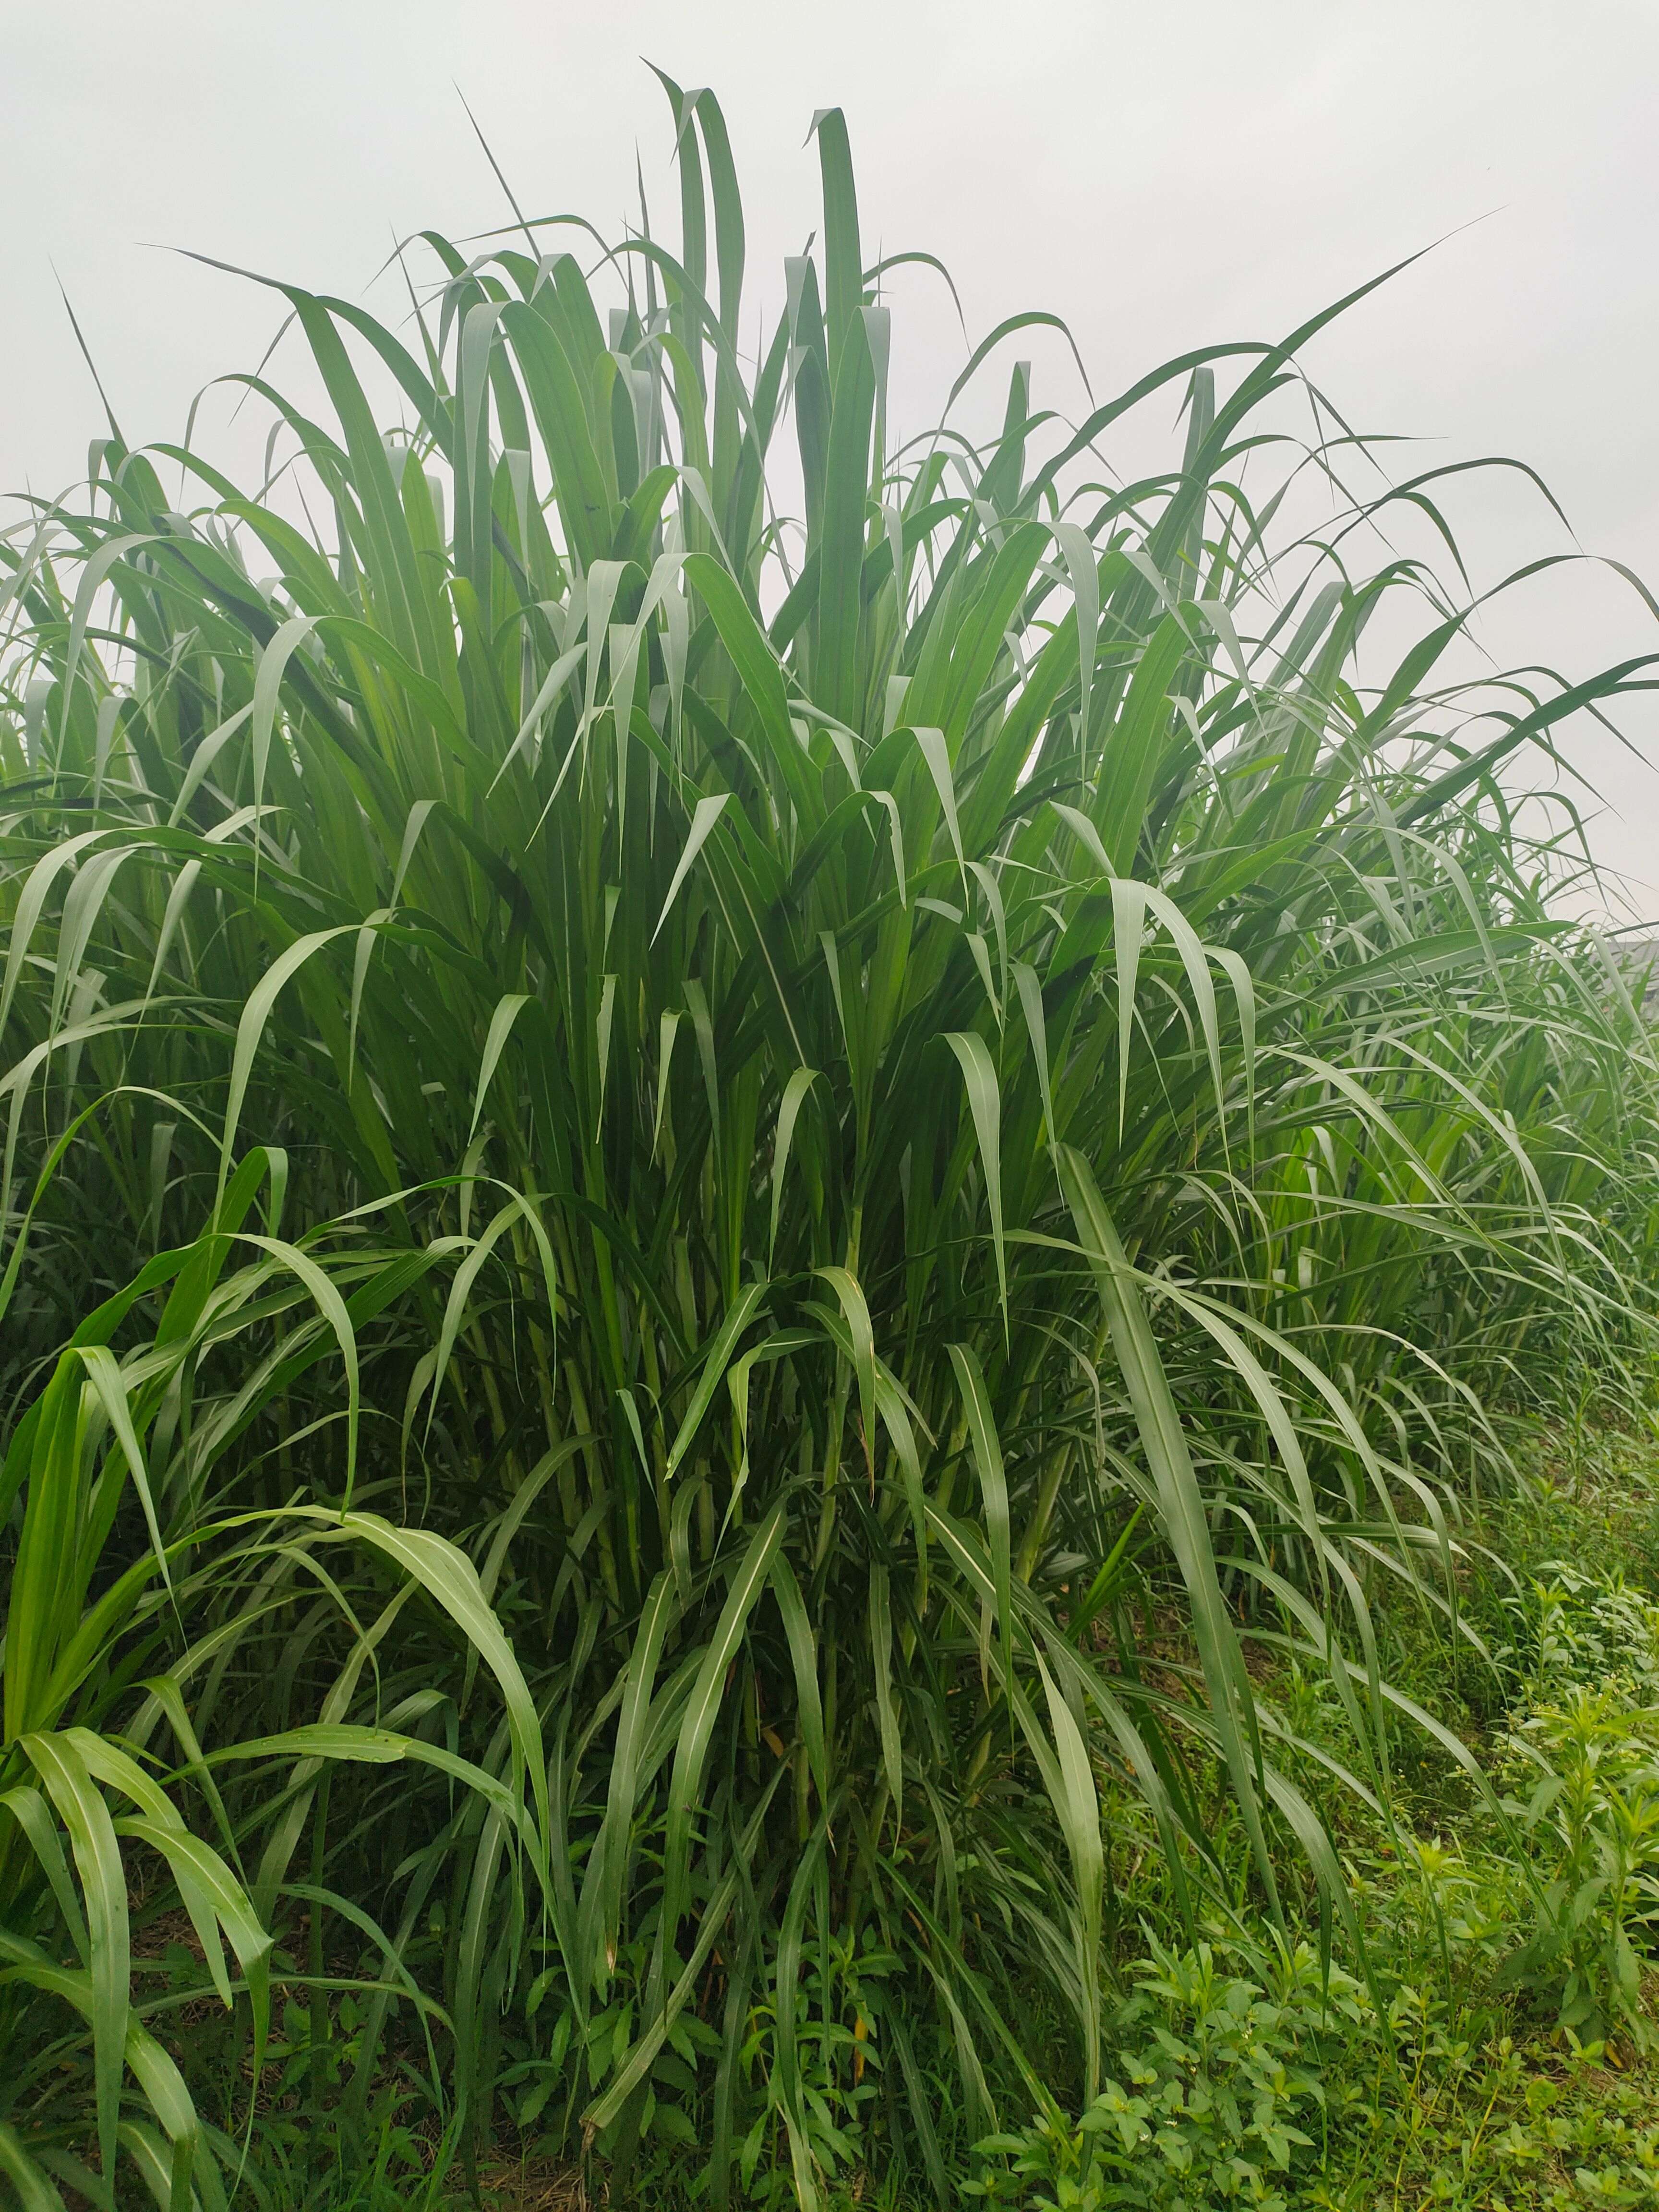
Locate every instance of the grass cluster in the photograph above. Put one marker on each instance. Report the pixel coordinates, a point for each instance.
(764, 1263)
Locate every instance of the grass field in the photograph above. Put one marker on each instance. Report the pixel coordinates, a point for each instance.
(827, 1291)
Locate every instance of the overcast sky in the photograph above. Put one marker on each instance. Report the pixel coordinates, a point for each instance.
(1162, 174)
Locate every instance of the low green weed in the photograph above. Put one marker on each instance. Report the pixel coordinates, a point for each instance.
(1591, 1823)
(1215, 2096)
(1578, 1766)
(1301, 2097)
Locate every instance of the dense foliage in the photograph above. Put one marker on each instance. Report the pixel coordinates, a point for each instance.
(704, 1209)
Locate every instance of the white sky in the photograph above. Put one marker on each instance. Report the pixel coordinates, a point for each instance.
(1162, 175)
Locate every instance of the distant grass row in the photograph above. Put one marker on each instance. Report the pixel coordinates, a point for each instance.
(705, 1210)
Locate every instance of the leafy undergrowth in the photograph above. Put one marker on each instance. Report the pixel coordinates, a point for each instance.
(1498, 2045)
(1493, 2041)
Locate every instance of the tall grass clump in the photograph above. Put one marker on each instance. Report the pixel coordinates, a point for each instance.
(718, 1169)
